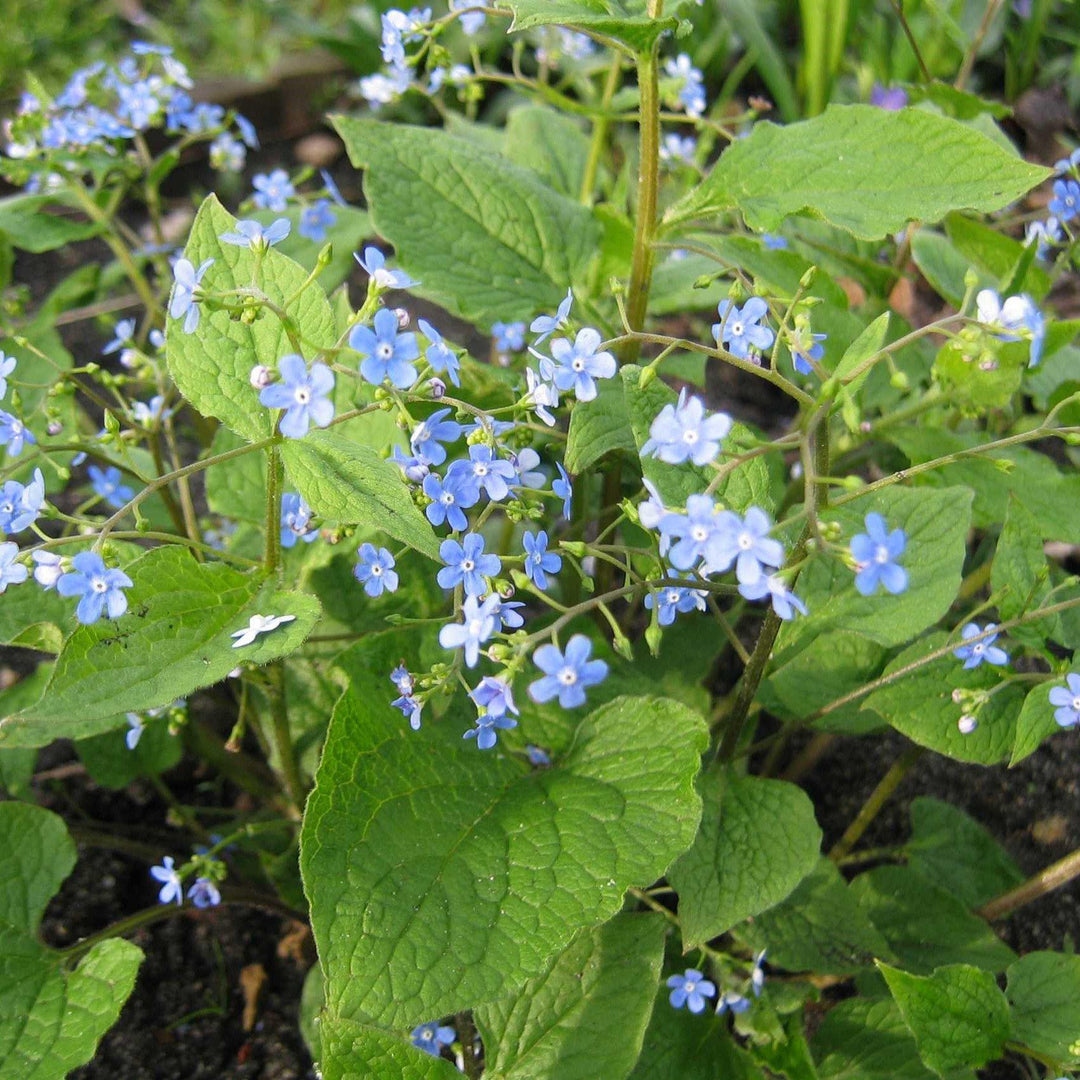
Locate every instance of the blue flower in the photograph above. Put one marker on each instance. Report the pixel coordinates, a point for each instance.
(483, 469)
(48, 568)
(690, 989)
(315, 220)
(652, 511)
(757, 975)
(875, 553)
(525, 462)
(414, 470)
(806, 347)
(494, 696)
(273, 191)
(375, 570)
(108, 488)
(485, 731)
(123, 333)
(148, 413)
(477, 625)
(467, 564)
(98, 587)
(429, 435)
(683, 432)
(541, 396)
(296, 521)
(785, 603)
(204, 893)
(227, 154)
(744, 543)
(332, 188)
(563, 489)
(506, 611)
(509, 337)
(977, 652)
(566, 676)
(539, 562)
(135, 730)
(672, 600)
(387, 354)
(774, 242)
(252, 234)
(171, 888)
(693, 530)
(1065, 204)
(20, 504)
(439, 355)
(449, 499)
(374, 262)
(14, 433)
(676, 147)
(11, 572)
(1067, 701)
(431, 1038)
(740, 329)
(409, 706)
(7, 366)
(247, 131)
(546, 325)
(538, 757)
(1017, 314)
(692, 91)
(1043, 234)
(186, 285)
(1068, 164)
(577, 366)
(471, 20)
(729, 1000)
(890, 98)
(303, 394)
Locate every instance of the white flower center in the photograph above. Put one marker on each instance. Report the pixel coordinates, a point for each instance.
(427, 1035)
(746, 541)
(302, 394)
(475, 627)
(881, 554)
(1076, 704)
(699, 533)
(384, 350)
(736, 328)
(977, 649)
(480, 469)
(690, 436)
(467, 565)
(578, 364)
(98, 585)
(7, 507)
(446, 499)
(568, 676)
(690, 986)
(420, 434)
(673, 596)
(383, 278)
(376, 570)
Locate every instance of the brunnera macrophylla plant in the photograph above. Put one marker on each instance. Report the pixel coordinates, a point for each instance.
(516, 636)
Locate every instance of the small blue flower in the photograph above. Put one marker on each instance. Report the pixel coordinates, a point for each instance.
(538, 757)
(576, 366)
(875, 553)
(1043, 234)
(99, 588)
(539, 562)
(566, 676)
(506, 611)
(690, 989)
(123, 333)
(296, 521)
(1067, 701)
(467, 564)
(1068, 164)
(252, 234)
(21, 504)
(563, 489)
(806, 348)
(509, 337)
(11, 572)
(135, 729)
(477, 625)
(1065, 204)
(374, 262)
(744, 543)
(386, 353)
(332, 189)
(730, 1001)
(541, 396)
(108, 487)
(186, 285)
(273, 191)
(227, 154)
(740, 329)
(890, 98)
(204, 893)
(486, 727)
(487, 472)
(774, 242)
(303, 394)
(375, 570)
(546, 325)
(494, 696)
(408, 704)
(525, 462)
(1019, 315)
(757, 975)
(471, 20)
(682, 432)
(414, 470)
(692, 91)
(450, 499)
(439, 355)
(980, 651)
(672, 600)
(315, 220)
(247, 131)
(428, 436)
(785, 603)
(149, 413)
(14, 434)
(48, 568)
(676, 147)
(171, 886)
(431, 1038)
(7, 366)
(693, 530)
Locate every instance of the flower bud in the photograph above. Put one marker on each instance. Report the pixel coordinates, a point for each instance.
(653, 636)
(899, 381)
(55, 427)
(967, 724)
(403, 318)
(261, 376)
(438, 388)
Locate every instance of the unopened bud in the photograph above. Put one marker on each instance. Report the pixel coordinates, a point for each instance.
(261, 376)
(957, 696)
(574, 547)
(967, 724)
(653, 636)
(971, 279)
(647, 375)
(623, 647)
(403, 318)
(326, 255)
(899, 381)
(112, 425)
(808, 278)
(853, 483)
(438, 388)
(55, 427)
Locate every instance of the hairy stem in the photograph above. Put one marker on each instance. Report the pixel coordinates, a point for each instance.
(601, 126)
(1053, 877)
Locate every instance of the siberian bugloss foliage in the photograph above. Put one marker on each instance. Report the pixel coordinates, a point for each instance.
(517, 608)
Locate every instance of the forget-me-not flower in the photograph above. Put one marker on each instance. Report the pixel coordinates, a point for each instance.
(386, 353)
(730, 1001)
(108, 487)
(20, 504)
(273, 190)
(741, 329)
(477, 625)
(1018, 314)
(486, 727)
(576, 366)
(11, 572)
(258, 624)
(744, 543)
(431, 1038)
(186, 283)
(98, 587)
(1043, 234)
(467, 564)
(525, 462)
(875, 553)
(546, 325)
(252, 234)
(296, 518)
(450, 499)
(123, 333)
(806, 347)
(7, 366)
(1067, 701)
(984, 650)
(471, 19)
(135, 729)
(374, 262)
(682, 432)
(48, 568)
(315, 220)
(690, 989)
(509, 337)
(784, 602)
(303, 394)
(541, 396)
(428, 436)
(375, 570)
(676, 147)
(490, 474)
(438, 354)
(672, 600)
(539, 562)
(693, 531)
(171, 886)
(14, 434)
(566, 675)
(204, 893)
(563, 488)
(1065, 204)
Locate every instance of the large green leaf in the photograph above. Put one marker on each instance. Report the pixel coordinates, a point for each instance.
(958, 1015)
(550, 143)
(1020, 575)
(441, 878)
(592, 1003)
(612, 18)
(861, 168)
(236, 489)
(488, 239)
(349, 483)
(1035, 723)
(212, 365)
(51, 1015)
(174, 639)
(1044, 1002)
(758, 840)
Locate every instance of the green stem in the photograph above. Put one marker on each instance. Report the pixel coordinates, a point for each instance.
(1053, 877)
(601, 126)
(279, 712)
(273, 510)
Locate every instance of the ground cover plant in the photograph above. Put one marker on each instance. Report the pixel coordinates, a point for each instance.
(474, 589)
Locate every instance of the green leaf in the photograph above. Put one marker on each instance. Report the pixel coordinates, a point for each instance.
(16, 769)
(51, 1016)
(236, 488)
(758, 840)
(488, 239)
(936, 525)
(955, 852)
(819, 928)
(312, 1000)
(441, 879)
(211, 367)
(354, 1051)
(862, 169)
(1035, 723)
(599, 427)
(924, 925)
(943, 266)
(608, 17)
(29, 227)
(958, 1015)
(1043, 990)
(591, 1004)
(920, 705)
(174, 639)
(349, 483)
(111, 764)
(551, 144)
(994, 253)
(1020, 575)
(866, 345)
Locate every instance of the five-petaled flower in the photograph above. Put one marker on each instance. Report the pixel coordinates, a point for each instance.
(374, 262)
(1065, 204)
(273, 190)
(385, 353)
(20, 504)
(252, 234)
(375, 570)
(546, 325)
(185, 303)
(257, 624)
(741, 329)
(467, 564)
(14, 434)
(431, 1038)
(98, 587)
(875, 553)
(1066, 700)
(477, 625)
(428, 436)
(296, 521)
(672, 600)
(303, 394)
(438, 354)
(450, 499)
(690, 989)
(204, 893)
(315, 220)
(682, 432)
(108, 487)
(577, 366)
(539, 562)
(172, 888)
(974, 653)
(566, 675)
